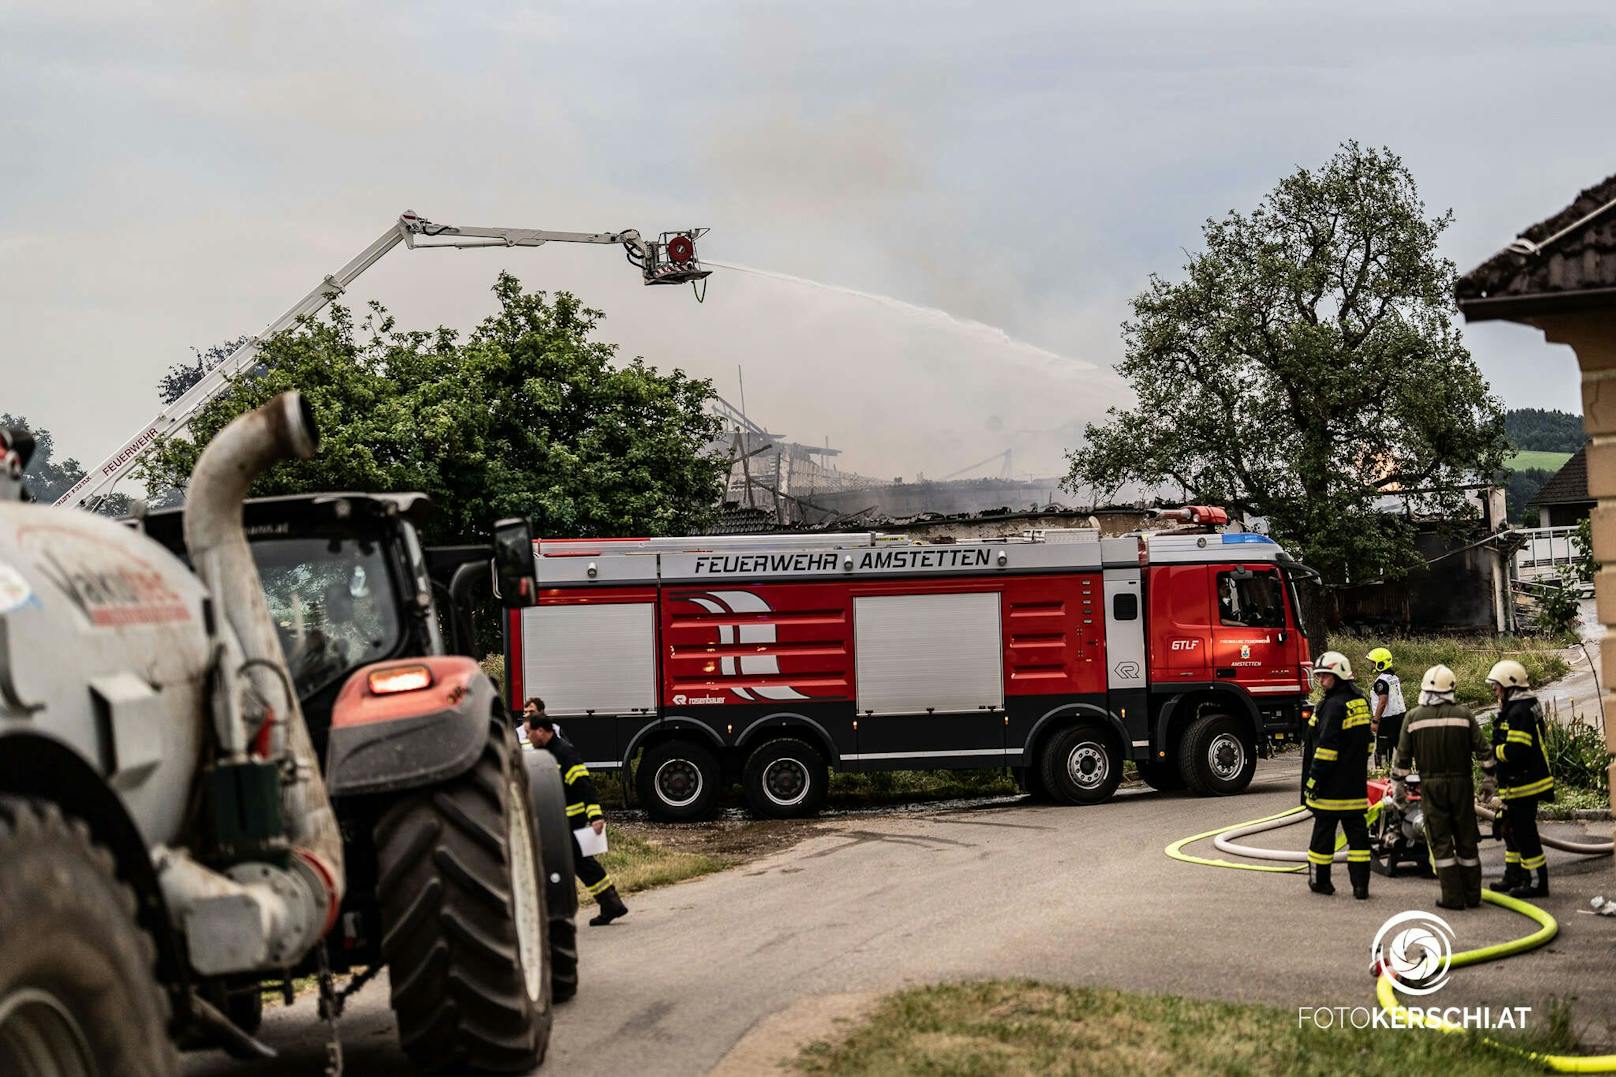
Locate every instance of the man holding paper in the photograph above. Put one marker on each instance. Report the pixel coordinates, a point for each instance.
(588, 839)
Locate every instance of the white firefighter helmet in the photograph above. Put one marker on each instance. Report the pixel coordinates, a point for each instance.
(1333, 662)
(1439, 679)
(1508, 674)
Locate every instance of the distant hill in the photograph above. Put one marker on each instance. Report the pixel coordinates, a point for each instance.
(1544, 430)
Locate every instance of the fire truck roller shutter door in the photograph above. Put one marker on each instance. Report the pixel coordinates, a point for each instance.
(929, 679)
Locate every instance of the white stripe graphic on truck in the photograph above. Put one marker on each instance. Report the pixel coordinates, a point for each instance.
(755, 665)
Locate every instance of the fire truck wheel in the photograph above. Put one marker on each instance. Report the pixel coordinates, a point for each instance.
(1216, 756)
(677, 781)
(463, 921)
(785, 779)
(1081, 765)
(1162, 775)
(77, 993)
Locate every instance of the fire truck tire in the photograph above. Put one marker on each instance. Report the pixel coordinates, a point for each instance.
(77, 990)
(463, 924)
(785, 779)
(1161, 775)
(1216, 756)
(1081, 765)
(677, 781)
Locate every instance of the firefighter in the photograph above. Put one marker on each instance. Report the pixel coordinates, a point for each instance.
(582, 809)
(1386, 701)
(1336, 774)
(1440, 738)
(1524, 780)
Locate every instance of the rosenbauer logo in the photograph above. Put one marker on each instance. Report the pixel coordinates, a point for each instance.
(1415, 951)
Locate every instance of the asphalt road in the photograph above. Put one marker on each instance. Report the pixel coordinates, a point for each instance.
(1080, 895)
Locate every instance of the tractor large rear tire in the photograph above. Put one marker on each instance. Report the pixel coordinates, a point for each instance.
(463, 926)
(77, 992)
(560, 888)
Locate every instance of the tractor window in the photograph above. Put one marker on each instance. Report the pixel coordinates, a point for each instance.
(333, 604)
(1251, 600)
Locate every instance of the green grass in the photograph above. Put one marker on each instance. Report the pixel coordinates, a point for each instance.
(1526, 459)
(639, 864)
(1010, 1027)
(1470, 657)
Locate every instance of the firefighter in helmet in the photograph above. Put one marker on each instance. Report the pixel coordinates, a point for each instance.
(1440, 738)
(1524, 779)
(1335, 769)
(1385, 703)
(583, 809)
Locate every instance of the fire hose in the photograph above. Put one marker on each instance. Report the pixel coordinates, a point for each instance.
(1385, 989)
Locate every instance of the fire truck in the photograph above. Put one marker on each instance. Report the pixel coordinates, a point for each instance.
(696, 662)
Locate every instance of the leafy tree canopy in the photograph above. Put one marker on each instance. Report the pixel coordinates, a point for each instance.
(1306, 366)
(48, 478)
(1544, 430)
(528, 416)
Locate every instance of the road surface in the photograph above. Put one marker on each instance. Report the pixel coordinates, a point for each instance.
(1079, 895)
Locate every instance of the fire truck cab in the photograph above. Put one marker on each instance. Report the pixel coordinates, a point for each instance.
(770, 659)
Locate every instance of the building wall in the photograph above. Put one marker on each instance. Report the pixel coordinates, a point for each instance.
(1455, 592)
(1564, 515)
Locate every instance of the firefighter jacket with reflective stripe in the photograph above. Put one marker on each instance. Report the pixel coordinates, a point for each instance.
(582, 803)
(1439, 741)
(1523, 758)
(1338, 772)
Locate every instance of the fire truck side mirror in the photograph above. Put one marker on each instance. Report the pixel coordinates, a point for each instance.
(513, 563)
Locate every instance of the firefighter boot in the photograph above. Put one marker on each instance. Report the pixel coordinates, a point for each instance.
(1472, 884)
(1318, 879)
(1359, 874)
(1513, 877)
(611, 907)
(1530, 889)
(1453, 887)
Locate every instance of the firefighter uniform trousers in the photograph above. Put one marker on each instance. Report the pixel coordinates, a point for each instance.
(1336, 777)
(1440, 740)
(583, 808)
(1524, 781)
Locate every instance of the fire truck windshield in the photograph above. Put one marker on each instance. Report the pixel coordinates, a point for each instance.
(332, 602)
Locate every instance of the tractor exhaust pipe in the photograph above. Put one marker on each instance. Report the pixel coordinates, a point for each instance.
(255, 915)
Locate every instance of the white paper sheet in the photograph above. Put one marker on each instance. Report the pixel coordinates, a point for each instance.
(589, 842)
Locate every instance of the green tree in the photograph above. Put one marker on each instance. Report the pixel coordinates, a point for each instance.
(48, 478)
(1307, 366)
(1543, 429)
(528, 416)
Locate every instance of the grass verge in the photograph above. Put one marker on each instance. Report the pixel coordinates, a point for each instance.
(641, 863)
(1000, 1027)
(1470, 658)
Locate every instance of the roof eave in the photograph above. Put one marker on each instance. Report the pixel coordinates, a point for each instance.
(1521, 308)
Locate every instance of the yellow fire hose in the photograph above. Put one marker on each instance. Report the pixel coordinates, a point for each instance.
(1385, 990)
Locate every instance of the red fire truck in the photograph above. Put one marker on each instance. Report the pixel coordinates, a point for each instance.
(769, 659)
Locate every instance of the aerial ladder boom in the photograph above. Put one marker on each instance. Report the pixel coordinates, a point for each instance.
(670, 259)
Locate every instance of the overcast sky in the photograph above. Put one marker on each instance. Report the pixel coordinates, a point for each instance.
(178, 173)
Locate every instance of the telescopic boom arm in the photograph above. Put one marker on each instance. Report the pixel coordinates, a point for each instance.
(671, 259)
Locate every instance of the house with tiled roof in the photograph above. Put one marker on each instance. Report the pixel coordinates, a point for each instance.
(1560, 276)
(1563, 501)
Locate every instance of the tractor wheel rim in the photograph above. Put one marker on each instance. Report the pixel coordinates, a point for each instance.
(40, 1036)
(786, 782)
(525, 895)
(1226, 755)
(1087, 765)
(678, 783)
